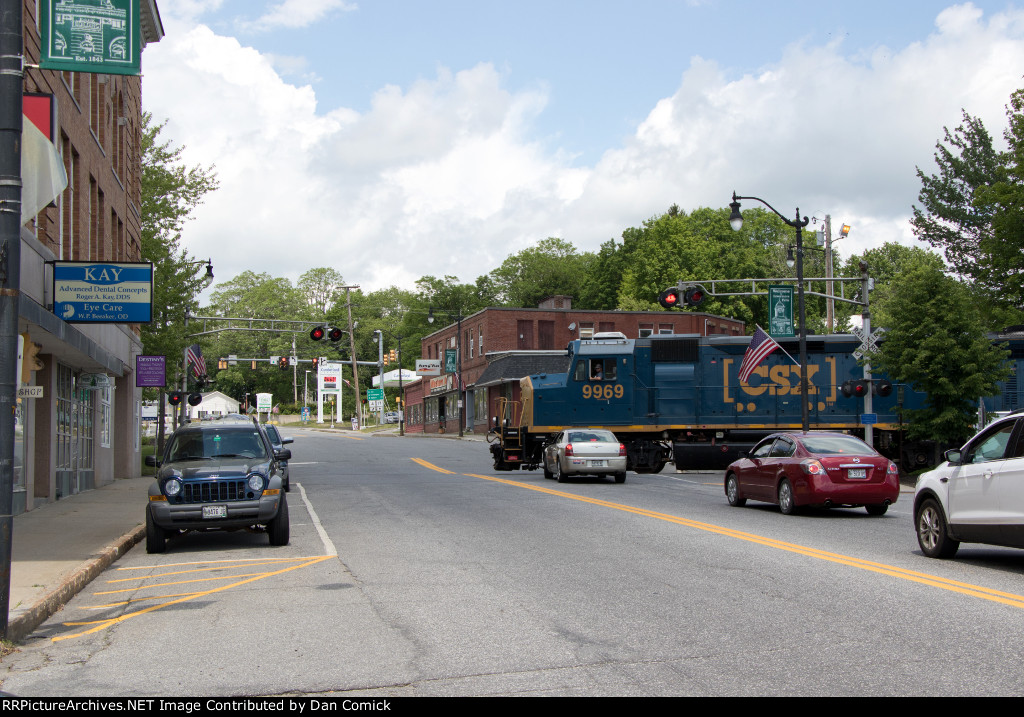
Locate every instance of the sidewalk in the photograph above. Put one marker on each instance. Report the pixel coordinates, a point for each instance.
(59, 547)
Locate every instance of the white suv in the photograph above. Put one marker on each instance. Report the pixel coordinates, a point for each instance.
(977, 495)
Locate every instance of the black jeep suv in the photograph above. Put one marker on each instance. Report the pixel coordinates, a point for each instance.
(221, 474)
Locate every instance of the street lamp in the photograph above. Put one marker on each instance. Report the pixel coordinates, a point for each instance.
(401, 392)
(458, 349)
(736, 222)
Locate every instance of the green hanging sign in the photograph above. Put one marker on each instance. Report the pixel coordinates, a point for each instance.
(98, 36)
(780, 306)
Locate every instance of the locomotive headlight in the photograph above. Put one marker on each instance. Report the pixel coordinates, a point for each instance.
(172, 487)
(256, 481)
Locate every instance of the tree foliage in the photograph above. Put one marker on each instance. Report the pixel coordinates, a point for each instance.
(170, 193)
(552, 267)
(936, 342)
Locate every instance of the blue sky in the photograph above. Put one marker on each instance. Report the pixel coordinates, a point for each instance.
(396, 139)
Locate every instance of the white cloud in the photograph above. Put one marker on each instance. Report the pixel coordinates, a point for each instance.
(297, 13)
(445, 176)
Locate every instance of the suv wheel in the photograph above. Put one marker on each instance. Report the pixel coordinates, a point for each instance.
(278, 528)
(932, 532)
(156, 537)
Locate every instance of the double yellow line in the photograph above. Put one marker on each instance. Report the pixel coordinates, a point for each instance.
(881, 568)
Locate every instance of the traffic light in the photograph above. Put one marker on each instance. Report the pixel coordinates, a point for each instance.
(30, 360)
(385, 359)
(394, 356)
(316, 364)
(881, 387)
(669, 298)
(222, 364)
(194, 399)
(174, 398)
(855, 389)
(694, 296)
(335, 334)
(282, 362)
(318, 333)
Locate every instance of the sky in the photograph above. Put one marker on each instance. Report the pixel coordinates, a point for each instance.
(395, 139)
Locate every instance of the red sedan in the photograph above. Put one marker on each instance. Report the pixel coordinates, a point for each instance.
(814, 469)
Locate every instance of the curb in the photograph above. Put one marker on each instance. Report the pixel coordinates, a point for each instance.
(22, 625)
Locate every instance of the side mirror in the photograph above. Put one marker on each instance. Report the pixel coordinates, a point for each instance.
(285, 441)
(151, 461)
(283, 455)
(954, 456)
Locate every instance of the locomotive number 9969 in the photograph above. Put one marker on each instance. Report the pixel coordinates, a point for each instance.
(602, 392)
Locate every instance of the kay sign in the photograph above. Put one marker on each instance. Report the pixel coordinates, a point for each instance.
(88, 292)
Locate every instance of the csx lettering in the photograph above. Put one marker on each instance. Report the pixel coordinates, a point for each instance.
(603, 392)
(781, 380)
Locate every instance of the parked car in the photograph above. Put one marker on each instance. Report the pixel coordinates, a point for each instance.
(585, 451)
(391, 417)
(279, 442)
(977, 494)
(221, 474)
(814, 469)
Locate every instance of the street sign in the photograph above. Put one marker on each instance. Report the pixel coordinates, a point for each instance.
(375, 394)
(868, 418)
(780, 303)
(90, 36)
(376, 405)
(30, 391)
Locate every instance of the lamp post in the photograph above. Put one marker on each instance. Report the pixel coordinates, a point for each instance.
(736, 222)
(401, 391)
(458, 350)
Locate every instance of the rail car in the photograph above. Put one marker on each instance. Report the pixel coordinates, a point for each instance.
(679, 399)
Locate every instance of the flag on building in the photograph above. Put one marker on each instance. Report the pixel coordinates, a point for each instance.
(761, 345)
(196, 360)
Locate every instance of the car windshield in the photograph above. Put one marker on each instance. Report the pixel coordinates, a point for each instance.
(217, 443)
(837, 445)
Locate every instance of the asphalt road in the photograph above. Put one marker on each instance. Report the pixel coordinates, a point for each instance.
(415, 569)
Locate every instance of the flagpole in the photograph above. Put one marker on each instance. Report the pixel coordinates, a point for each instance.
(782, 349)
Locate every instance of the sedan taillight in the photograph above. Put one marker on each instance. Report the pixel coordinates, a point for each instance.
(812, 467)
(622, 449)
(893, 469)
(568, 449)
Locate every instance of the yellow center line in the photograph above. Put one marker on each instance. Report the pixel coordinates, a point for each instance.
(114, 621)
(881, 568)
(432, 467)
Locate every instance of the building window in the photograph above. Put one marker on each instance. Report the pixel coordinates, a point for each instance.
(646, 330)
(665, 329)
(480, 346)
(104, 417)
(480, 405)
(586, 330)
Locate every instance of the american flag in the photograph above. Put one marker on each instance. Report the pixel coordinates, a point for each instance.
(196, 360)
(761, 345)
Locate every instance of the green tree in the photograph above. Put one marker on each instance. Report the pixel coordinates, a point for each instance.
(936, 343)
(320, 289)
(1003, 249)
(552, 267)
(170, 192)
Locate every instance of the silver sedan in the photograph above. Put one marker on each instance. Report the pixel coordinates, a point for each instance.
(585, 451)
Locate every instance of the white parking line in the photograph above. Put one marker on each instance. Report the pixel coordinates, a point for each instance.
(329, 548)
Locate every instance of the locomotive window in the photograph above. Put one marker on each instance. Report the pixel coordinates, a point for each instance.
(580, 373)
(602, 369)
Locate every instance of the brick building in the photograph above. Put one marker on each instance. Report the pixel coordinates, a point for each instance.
(77, 437)
(512, 336)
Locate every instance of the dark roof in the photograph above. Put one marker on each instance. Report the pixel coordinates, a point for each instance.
(517, 365)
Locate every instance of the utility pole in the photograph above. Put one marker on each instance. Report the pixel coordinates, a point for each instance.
(352, 347)
(830, 302)
(11, 71)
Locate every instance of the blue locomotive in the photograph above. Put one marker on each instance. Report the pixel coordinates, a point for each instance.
(679, 398)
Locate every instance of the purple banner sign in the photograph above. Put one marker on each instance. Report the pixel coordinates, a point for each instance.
(150, 371)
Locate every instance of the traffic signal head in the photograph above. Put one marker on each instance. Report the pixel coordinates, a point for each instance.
(195, 399)
(881, 387)
(318, 333)
(386, 358)
(316, 363)
(335, 334)
(282, 361)
(174, 398)
(669, 298)
(694, 296)
(394, 356)
(855, 389)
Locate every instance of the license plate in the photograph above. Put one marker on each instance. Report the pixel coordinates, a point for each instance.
(597, 464)
(857, 473)
(215, 511)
